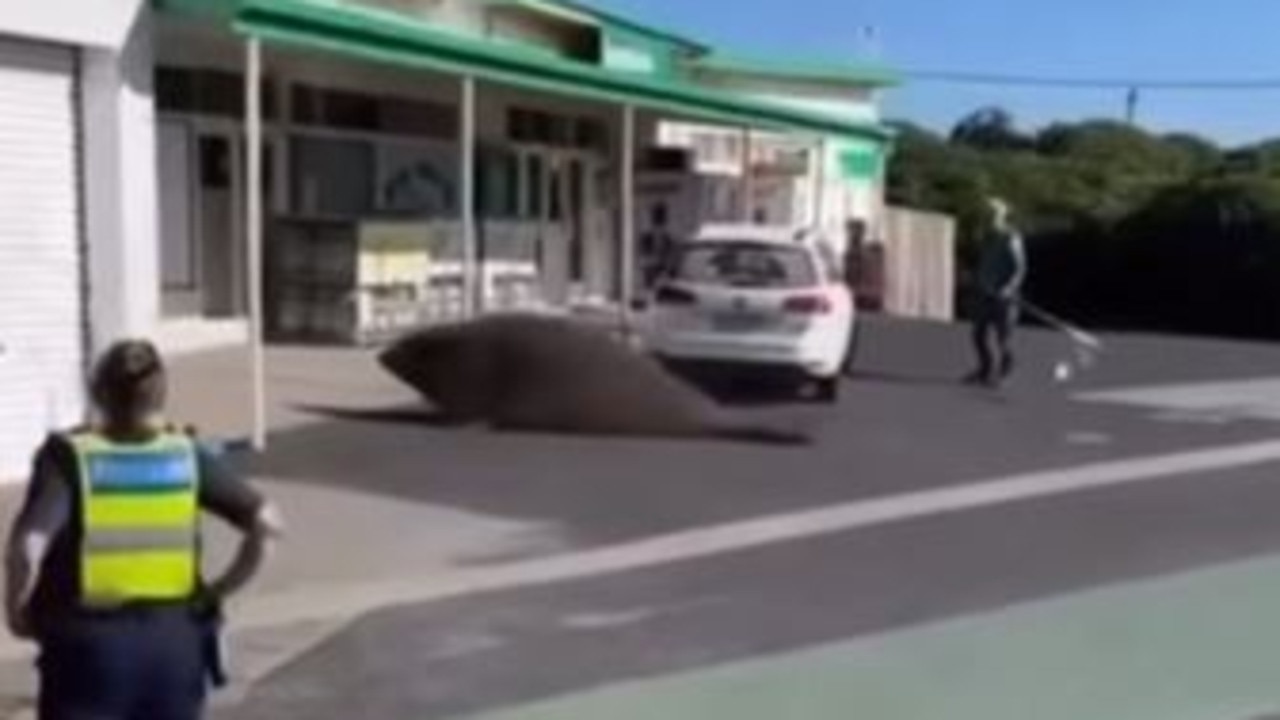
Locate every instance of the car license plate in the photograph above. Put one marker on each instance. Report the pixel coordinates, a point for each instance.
(737, 321)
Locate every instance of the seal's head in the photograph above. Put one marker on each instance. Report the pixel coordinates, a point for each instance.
(403, 357)
(447, 365)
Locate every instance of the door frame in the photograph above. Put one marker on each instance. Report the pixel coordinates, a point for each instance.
(555, 162)
(187, 300)
(275, 143)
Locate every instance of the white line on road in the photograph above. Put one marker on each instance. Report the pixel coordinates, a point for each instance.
(1253, 398)
(754, 533)
(333, 604)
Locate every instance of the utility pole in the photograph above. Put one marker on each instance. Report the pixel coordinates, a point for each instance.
(868, 43)
(1131, 105)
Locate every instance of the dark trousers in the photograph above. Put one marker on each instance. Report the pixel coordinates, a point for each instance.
(993, 327)
(136, 666)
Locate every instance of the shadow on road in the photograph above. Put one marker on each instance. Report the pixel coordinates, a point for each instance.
(404, 415)
(887, 377)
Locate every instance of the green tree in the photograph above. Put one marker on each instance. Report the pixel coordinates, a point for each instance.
(990, 128)
(928, 173)
(1118, 147)
(1126, 227)
(1198, 154)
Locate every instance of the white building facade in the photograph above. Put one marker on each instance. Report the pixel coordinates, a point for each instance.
(126, 175)
(77, 204)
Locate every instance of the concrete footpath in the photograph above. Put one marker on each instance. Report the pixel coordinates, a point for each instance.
(339, 540)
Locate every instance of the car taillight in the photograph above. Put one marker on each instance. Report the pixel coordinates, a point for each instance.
(807, 305)
(668, 295)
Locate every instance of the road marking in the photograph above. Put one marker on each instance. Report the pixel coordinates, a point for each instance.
(309, 603)
(1254, 398)
(334, 606)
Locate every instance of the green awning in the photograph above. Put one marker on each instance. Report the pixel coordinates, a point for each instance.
(387, 37)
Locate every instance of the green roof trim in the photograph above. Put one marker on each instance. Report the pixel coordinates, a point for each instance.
(824, 71)
(219, 9)
(391, 38)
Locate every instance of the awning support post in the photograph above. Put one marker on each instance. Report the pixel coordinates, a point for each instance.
(819, 181)
(627, 207)
(748, 179)
(253, 236)
(472, 277)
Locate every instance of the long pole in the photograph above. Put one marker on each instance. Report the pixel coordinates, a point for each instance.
(253, 236)
(626, 206)
(472, 277)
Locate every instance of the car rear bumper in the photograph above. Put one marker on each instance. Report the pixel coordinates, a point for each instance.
(774, 356)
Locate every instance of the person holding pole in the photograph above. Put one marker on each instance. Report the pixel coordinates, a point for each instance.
(854, 249)
(103, 559)
(1002, 269)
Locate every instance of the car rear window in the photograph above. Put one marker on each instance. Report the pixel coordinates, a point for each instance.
(746, 264)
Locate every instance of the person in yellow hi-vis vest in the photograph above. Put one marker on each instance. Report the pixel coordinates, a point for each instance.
(103, 559)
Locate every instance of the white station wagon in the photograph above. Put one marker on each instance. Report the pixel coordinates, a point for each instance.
(758, 298)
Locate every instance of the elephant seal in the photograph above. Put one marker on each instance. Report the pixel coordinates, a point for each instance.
(544, 374)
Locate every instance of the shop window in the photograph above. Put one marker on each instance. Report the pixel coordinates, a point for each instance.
(417, 117)
(308, 105)
(215, 163)
(536, 127)
(519, 125)
(417, 179)
(216, 93)
(535, 171)
(497, 184)
(510, 174)
(175, 90)
(591, 135)
(542, 128)
(332, 178)
(350, 110)
(555, 213)
(660, 159)
(577, 269)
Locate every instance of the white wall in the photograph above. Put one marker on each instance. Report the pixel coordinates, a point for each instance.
(97, 23)
(920, 264)
(466, 16)
(828, 98)
(120, 200)
(843, 109)
(530, 29)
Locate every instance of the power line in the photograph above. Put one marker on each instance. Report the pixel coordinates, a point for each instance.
(1082, 83)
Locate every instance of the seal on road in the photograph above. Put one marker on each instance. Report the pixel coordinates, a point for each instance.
(544, 374)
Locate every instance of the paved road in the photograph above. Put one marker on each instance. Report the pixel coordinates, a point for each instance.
(1134, 600)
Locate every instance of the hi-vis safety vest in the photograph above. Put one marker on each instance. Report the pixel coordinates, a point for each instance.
(140, 513)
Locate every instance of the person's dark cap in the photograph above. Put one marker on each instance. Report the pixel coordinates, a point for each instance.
(126, 368)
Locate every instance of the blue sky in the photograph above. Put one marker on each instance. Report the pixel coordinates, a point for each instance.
(1159, 39)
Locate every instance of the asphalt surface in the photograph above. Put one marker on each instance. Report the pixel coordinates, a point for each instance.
(903, 426)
